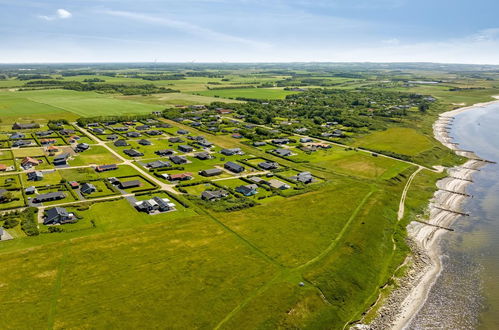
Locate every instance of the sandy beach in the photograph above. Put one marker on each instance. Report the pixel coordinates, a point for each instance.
(444, 208)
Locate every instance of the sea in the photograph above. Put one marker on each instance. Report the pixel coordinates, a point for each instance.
(466, 293)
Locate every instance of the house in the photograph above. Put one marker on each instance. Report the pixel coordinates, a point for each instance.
(204, 143)
(145, 142)
(58, 215)
(112, 137)
(44, 133)
(257, 179)
(231, 152)
(30, 190)
(155, 204)
(211, 195)
(35, 176)
(17, 136)
(276, 184)
(305, 177)
(233, 167)
(259, 143)
(182, 132)
(158, 164)
(25, 126)
(142, 127)
(178, 160)
(98, 130)
(74, 138)
(3, 196)
(52, 149)
(196, 124)
(121, 129)
(47, 141)
(120, 143)
(163, 125)
(22, 143)
(74, 184)
(301, 130)
(130, 184)
(223, 111)
(179, 177)
(3, 167)
(133, 153)
(164, 152)
(211, 172)
(247, 190)
(175, 140)
(61, 159)
(87, 188)
(185, 148)
(305, 140)
(51, 196)
(202, 155)
(133, 134)
(237, 136)
(280, 141)
(104, 168)
(154, 132)
(29, 162)
(268, 165)
(67, 131)
(283, 152)
(80, 147)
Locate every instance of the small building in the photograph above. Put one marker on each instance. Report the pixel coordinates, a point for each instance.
(283, 152)
(175, 140)
(58, 215)
(44, 133)
(158, 164)
(30, 190)
(112, 137)
(180, 177)
(104, 168)
(305, 140)
(3, 167)
(48, 197)
(120, 143)
(35, 176)
(224, 111)
(178, 160)
(80, 147)
(25, 126)
(155, 204)
(237, 136)
(87, 188)
(164, 152)
(142, 127)
(22, 143)
(61, 159)
(145, 142)
(98, 130)
(247, 190)
(304, 177)
(232, 151)
(154, 132)
(47, 141)
(203, 155)
(120, 129)
(233, 167)
(182, 132)
(74, 184)
(280, 141)
(276, 184)
(185, 148)
(133, 153)
(211, 172)
(3, 197)
(67, 131)
(133, 134)
(259, 143)
(130, 184)
(17, 135)
(211, 195)
(268, 165)
(52, 149)
(29, 162)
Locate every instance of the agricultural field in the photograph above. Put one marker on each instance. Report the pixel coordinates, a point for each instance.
(250, 93)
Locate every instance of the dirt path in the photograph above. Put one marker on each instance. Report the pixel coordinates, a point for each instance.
(400, 213)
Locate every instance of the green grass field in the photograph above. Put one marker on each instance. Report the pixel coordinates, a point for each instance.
(253, 93)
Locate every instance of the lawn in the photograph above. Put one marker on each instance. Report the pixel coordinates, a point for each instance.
(405, 141)
(94, 155)
(252, 93)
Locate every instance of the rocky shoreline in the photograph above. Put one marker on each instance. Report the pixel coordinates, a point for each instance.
(444, 208)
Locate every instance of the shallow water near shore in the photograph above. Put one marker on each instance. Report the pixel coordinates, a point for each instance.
(466, 294)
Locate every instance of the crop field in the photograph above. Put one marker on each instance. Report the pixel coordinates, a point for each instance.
(252, 93)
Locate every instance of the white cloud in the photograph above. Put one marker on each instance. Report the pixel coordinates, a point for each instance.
(59, 14)
(186, 27)
(393, 41)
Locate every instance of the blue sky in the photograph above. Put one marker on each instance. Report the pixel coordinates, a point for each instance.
(249, 31)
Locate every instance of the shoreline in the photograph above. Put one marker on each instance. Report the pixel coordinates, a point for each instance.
(404, 303)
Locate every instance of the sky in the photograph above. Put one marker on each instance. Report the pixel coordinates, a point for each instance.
(457, 31)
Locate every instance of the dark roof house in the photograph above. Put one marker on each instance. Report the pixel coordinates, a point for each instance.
(58, 215)
(211, 172)
(233, 167)
(211, 195)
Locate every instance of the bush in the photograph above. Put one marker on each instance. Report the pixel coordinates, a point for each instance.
(10, 223)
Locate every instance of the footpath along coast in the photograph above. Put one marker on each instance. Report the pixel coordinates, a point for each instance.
(444, 208)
